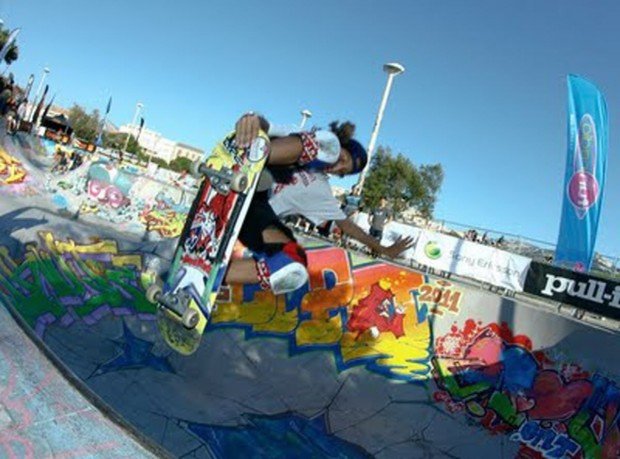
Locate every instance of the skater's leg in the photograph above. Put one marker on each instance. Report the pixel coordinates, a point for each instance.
(244, 271)
(281, 267)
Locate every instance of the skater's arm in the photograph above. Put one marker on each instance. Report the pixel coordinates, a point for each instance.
(351, 229)
(284, 150)
(320, 148)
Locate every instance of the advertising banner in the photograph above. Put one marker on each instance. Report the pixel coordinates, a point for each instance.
(464, 258)
(393, 230)
(593, 294)
(361, 220)
(584, 178)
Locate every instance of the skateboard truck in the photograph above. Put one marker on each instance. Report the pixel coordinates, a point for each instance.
(223, 180)
(177, 303)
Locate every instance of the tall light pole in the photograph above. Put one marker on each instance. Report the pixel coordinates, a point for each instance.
(139, 106)
(305, 116)
(38, 93)
(392, 69)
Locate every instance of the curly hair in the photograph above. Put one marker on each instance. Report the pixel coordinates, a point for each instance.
(344, 131)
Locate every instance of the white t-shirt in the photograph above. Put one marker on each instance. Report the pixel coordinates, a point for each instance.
(309, 195)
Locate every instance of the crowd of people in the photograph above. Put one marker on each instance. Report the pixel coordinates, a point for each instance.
(12, 103)
(66, 160)
(474, 236)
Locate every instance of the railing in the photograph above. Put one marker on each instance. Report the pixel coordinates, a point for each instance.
(533, 248)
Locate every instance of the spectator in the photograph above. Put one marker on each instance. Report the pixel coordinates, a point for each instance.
(378, 219)
(351, 205)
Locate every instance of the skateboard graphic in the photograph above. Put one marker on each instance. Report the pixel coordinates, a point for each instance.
(187, 297)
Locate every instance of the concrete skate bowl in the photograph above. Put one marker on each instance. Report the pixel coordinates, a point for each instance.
(97, 189)
(370, 360)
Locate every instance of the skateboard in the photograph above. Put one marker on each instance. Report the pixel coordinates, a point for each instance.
(187, 297)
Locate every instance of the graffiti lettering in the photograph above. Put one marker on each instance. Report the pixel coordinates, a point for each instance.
(11, 170)
(547, 441)
(367, 314)
(65, 281)
(555, 410)
(440, 296)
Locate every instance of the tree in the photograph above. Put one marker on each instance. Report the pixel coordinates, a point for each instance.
(402, 183)
(116, 141)
(181, 164)
(84, 125)
(13, 52)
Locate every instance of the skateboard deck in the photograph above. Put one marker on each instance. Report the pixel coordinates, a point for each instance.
(187, 297)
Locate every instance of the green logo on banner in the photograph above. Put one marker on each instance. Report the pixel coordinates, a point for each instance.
(432, 250)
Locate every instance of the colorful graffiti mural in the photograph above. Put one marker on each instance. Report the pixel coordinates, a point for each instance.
(164, 220)
(123, 195)
(63, 281)
(11, 170)
(364, 313)
(368, 313)
(552, 409)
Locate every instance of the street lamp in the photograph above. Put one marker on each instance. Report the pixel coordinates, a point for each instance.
(38, 93)
(392, 69)
(139, 106)
(305, 115)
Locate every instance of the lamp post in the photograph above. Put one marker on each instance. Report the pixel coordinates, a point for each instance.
(305, 116)
(139, 107)
(37, 94)
(392, 69)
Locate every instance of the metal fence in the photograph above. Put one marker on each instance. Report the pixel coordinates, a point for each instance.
(535, 249)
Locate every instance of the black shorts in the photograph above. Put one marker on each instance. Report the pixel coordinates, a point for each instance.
(376, 233)
(260, 217)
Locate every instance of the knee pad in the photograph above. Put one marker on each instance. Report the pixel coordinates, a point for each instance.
(284, 271)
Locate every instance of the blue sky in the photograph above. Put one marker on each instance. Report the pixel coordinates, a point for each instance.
(484, 93)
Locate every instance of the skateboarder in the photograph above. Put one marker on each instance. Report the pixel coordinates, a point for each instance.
(279, 262)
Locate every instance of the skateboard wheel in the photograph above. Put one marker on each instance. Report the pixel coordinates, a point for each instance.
(153, 293)
(190, 318)
(239, 182)
(195, 169)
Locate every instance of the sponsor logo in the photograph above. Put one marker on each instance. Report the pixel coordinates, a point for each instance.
(594, 290)
(432, 250)
(583, 188)
(258, 149)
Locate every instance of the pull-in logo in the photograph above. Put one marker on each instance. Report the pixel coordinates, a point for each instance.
(583, 188)
(594, 290)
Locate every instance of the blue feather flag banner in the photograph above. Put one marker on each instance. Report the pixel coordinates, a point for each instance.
(584, 181)
(107, 110)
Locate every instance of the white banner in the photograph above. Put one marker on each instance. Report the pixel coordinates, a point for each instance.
(477, 261)
(361, 220)
(393, 230)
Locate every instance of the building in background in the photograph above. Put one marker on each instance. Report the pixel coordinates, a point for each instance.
(182, 150)
(156, 145)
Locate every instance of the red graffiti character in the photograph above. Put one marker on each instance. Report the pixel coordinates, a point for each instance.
(378, 313)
